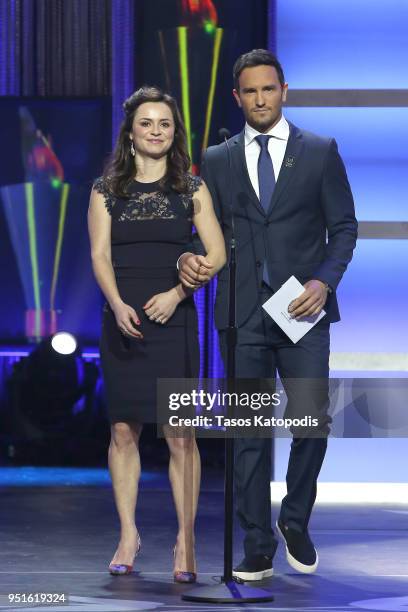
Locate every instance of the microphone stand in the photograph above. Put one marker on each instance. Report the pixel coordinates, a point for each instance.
(229, 590)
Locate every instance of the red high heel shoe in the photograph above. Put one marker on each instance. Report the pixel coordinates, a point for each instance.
(120, 569)
(183, 577)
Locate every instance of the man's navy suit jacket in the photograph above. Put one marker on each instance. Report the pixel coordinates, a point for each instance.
(310, 229)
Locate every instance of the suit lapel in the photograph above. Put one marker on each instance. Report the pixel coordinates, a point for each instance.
(289, 165)
(239, 163)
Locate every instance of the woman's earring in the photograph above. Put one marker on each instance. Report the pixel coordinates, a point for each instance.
(132, 149)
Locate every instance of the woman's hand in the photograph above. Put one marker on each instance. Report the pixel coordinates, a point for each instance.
(127, 320)
(161, 307)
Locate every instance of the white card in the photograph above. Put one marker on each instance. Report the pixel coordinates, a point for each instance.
(277, 308)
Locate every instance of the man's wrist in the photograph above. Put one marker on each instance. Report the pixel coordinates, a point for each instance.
(327, 286)
(181, 257)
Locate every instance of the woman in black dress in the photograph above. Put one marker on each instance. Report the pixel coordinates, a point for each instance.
(140, 221)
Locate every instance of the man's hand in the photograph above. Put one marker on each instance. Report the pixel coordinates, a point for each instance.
(194, 270)
(311, 301)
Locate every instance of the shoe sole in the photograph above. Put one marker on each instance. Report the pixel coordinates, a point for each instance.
(126, 572)
(294, 563)
(252, 576)
(129, 568)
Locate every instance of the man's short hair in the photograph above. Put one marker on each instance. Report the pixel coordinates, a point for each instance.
(256, 57)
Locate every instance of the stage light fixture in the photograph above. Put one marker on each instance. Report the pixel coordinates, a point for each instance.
(64, 343)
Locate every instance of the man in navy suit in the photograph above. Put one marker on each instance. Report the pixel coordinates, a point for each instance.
(294, 215)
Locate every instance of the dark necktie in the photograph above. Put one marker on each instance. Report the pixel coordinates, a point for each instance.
(266, 180)
(266, 175)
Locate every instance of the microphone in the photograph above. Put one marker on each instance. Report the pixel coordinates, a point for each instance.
(231, 341)
(224, 134)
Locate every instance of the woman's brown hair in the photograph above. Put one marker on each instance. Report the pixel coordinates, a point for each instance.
(120, 168)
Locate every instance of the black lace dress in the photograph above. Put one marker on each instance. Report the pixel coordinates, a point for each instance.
(149, 232)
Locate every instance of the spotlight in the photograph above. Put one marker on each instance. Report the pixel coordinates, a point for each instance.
(64, 343)
(53, 410)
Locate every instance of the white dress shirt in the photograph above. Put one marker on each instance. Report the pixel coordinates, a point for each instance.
(276, 147)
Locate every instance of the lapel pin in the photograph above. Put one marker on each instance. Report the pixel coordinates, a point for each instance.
(289, 162)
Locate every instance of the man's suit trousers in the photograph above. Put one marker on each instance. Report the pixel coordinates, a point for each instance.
(262, 349)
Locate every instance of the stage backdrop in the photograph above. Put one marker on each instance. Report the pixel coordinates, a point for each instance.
(52, 150)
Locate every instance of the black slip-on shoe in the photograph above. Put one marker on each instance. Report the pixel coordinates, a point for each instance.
(254, 568)
(300, 552)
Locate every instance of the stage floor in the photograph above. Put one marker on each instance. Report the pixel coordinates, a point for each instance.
(59, 539)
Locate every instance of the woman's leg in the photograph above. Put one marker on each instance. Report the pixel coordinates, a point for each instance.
(124, 466)
(184, 474)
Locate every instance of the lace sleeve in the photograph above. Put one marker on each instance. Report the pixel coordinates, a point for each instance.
(193, 183)
(100, 186)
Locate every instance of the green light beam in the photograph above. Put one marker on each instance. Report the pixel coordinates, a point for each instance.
(185, 94)
(32, 238)
(213, 82)
(58, 246)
